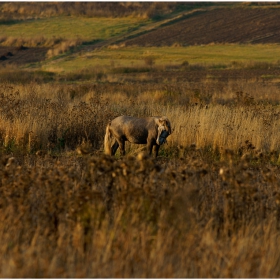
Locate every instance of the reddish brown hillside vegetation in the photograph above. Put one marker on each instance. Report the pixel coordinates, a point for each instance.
(27, 10)
(217, 26)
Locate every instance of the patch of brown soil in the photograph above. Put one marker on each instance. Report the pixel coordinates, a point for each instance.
(22, 55)
(217, 26)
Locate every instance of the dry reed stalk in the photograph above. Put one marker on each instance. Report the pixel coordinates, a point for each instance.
(222, 127)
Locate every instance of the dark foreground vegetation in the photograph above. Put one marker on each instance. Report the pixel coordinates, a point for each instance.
(138, 217)
(204, 208)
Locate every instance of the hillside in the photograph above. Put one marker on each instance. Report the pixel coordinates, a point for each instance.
(190, 25)
(239, 25)
(10, 11)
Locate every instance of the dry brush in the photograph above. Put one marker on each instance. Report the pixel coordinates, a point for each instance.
(137, 217)
(207, 207)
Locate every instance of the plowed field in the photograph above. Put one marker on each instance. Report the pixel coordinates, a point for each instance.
(237, 25)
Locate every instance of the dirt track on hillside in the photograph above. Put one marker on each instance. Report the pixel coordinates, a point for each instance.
(217, 26)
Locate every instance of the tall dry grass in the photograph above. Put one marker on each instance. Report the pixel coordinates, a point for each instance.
(207, 207)
(136, 217)
(49, 117)
(56, 46)
(29, 42)
(63, 46)
(222, 127)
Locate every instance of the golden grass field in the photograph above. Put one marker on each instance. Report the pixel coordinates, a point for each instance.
(207, 207)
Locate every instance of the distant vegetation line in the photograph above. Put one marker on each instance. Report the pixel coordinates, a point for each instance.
(24, 10)
(10, 11)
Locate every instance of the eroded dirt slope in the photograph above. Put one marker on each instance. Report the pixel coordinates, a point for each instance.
(239, 25)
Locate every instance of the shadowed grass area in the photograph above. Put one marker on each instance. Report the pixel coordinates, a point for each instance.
(95, 216)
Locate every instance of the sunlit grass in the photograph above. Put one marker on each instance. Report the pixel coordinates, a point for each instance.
(72, 27)
(203, 55)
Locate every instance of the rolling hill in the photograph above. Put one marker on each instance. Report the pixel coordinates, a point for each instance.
(221, 24)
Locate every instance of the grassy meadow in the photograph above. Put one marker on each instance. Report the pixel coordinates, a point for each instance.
(71, 27)
(205, 54)
(207, 207)
(215, 56)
